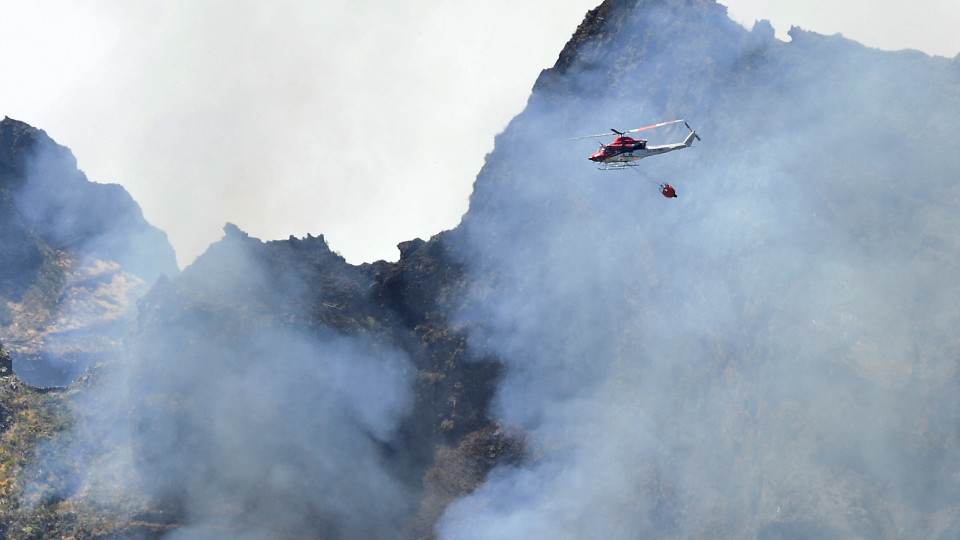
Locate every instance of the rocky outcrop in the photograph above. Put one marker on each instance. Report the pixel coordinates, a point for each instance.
(46, 195)
(278, 308)
(76, 254)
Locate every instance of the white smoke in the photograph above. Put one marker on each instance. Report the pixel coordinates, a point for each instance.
(761, 357)
(238, 414)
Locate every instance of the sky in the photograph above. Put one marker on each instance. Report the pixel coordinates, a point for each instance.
(363, 121)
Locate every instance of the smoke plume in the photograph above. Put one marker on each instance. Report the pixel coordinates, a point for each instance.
(237, 414)
(770, 354)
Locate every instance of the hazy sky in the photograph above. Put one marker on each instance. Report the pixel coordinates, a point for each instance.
(363, 121)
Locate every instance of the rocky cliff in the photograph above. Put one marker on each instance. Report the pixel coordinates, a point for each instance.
(75, 254)
(770, 355)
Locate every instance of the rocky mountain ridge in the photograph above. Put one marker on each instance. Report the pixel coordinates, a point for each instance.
(76, 256)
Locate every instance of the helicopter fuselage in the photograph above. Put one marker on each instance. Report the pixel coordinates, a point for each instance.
(626, 149)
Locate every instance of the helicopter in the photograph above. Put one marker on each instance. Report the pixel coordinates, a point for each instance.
(626, 151)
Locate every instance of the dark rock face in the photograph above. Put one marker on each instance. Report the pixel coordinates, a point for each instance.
(284, 337)
(6, 362)
(45, 195)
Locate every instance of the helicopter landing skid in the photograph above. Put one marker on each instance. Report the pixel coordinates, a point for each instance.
(618, 165)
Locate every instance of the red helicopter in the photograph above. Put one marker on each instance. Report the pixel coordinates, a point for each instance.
(626, 151)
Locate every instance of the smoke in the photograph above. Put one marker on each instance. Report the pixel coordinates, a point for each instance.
(232, 411)
(77, 255)
(56, 200)
(165, 97)
(770, 354)
(285, 427)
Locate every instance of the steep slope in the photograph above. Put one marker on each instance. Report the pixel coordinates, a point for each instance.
(75, 255)
(772, 354)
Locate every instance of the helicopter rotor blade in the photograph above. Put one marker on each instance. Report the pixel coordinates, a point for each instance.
(618, 133)
(654, 126)
(591, 136)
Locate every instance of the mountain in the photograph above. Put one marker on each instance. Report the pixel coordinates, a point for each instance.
(293, 352)
(76, 255)
(771, 355)
(277, 378)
